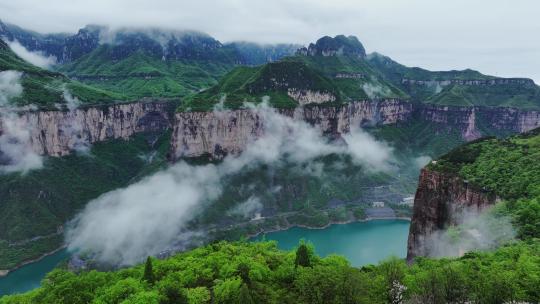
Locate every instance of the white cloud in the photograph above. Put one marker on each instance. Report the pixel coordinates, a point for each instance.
(475, 230)
(248, 208)
(72, 102)
(434, 34)
(10, 86)
(374, 90)
(16, 153)
(35, 58)
(126, 225)
(421, 161)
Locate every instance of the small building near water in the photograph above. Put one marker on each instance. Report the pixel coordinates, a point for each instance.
(377, 204)
(407, 201)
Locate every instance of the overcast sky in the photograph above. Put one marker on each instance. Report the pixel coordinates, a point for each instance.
(498, 37)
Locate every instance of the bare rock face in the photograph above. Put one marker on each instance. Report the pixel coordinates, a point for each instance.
(438, 201)
(467, 120)
(510, 119)
(471, 82)
(220, 133)
(462, 119)
(58, 133)
(304, 97)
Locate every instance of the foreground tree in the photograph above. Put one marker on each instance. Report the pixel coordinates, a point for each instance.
(148, 275)
(302, 256)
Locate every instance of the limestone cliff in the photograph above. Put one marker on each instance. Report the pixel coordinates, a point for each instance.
(438, 201)
(216, 134)
(219, 133)
(472, 121)
(58, 133)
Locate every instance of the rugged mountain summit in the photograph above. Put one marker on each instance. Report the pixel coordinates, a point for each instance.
(144, 62)
(160, 43)
(64, 47)
(338, 45)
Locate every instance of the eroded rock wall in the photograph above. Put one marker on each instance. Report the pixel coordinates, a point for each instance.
(57, 133)
(220, 133)
(439, 200)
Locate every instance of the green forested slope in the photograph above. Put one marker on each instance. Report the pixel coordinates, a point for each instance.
(140, 74)
(45, 88)
(524, 95)
(347, 78)
(504, 95)
(40, 201)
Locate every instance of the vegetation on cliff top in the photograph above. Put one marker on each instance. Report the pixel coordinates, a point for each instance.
(250, 84)
(524, 95)
(141, 75)
(508, 167)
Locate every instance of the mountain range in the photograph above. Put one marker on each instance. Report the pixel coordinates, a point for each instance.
(151, 97)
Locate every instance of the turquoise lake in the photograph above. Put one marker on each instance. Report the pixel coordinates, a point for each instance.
(361, 243)
(29, 276)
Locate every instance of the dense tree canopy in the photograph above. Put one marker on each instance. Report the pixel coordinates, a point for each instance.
(261, 273)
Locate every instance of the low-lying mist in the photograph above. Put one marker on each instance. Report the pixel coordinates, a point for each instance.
(16, 153)
(124, 226)
(35, 58)
(475, 230)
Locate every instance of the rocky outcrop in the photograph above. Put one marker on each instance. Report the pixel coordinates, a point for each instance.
(304, 97)
(220, 133)
(338, 45)
(470, 82)
(349, 76)
(58, 133)
(439, 200)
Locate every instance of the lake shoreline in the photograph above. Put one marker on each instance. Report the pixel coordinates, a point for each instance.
(330, 223)
(6, 272)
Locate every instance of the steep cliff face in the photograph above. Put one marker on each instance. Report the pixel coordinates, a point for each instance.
(220, 133)
(58, 133)
(217, 134)
(437, 204)
(509, 119)
(470, 121)
(448, 118)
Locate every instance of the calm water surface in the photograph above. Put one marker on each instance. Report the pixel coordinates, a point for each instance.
(29, 277)
(361, 243)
